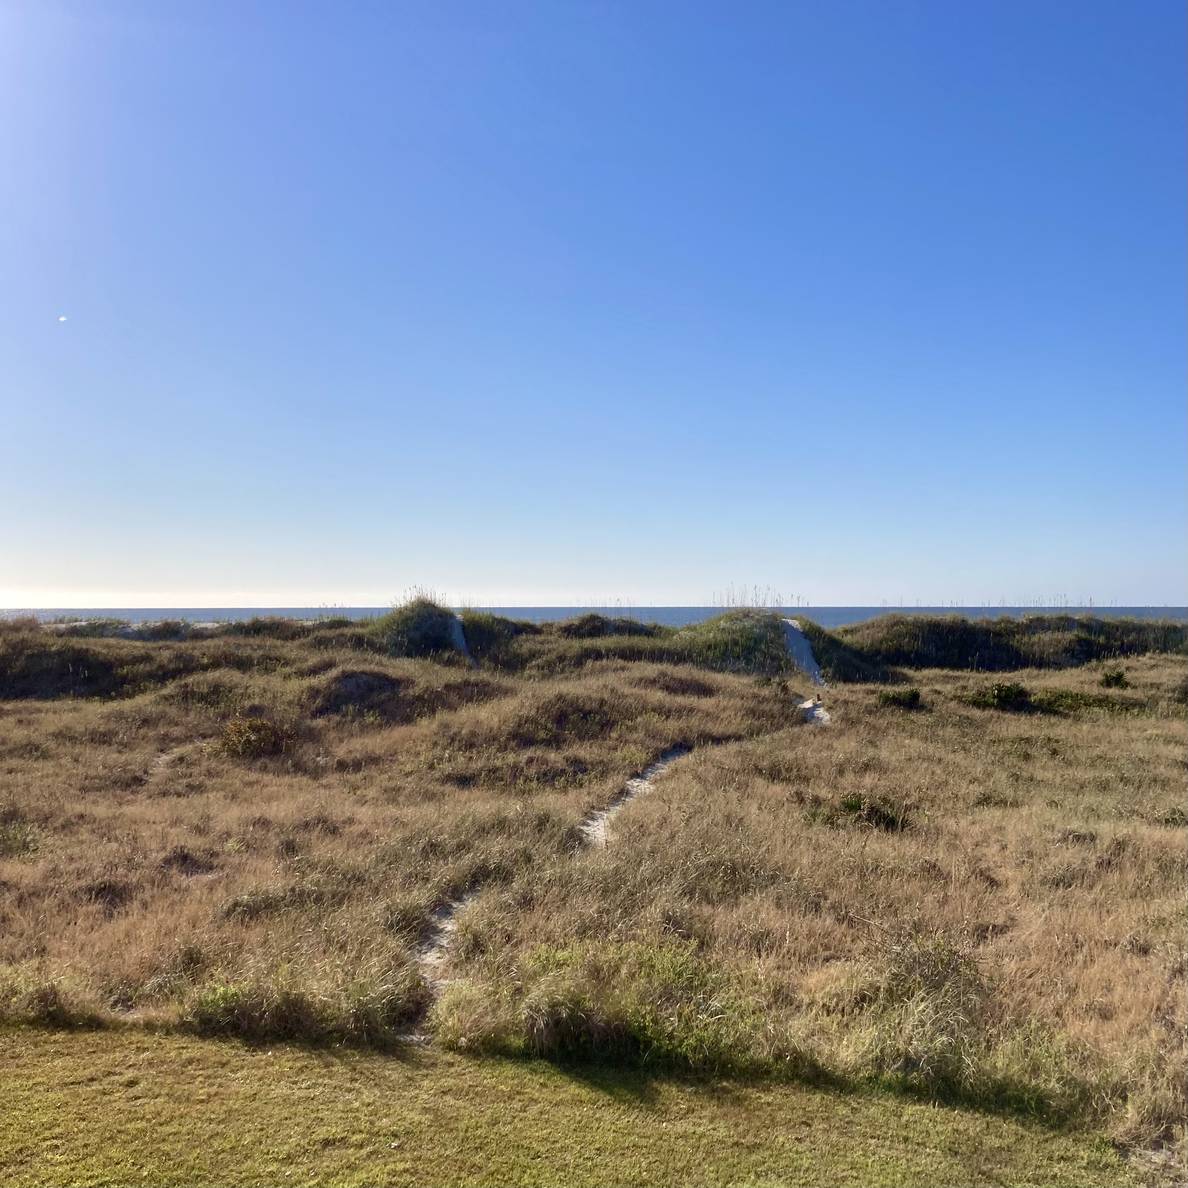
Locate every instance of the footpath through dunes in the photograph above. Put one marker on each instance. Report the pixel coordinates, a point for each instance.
(594, 827)
(458, 637)
(800, 651)
(433, 950)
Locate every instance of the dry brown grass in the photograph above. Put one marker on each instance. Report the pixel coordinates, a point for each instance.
(957, 899)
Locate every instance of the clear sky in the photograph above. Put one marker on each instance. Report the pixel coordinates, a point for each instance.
(572, 302)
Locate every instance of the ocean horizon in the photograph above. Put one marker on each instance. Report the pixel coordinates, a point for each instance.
(669, 616)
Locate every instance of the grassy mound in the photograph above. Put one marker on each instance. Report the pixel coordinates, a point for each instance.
(870, 651)
(35, 667)
(492, 638)
(738, 641)
(594, 626)
(418, 628)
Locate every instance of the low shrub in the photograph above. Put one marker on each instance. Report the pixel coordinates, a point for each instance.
(908, 699)
(254, 737)
(255, 1012)
(1070, 701)
(679, 684)
(475, 1017)
(841, 661)
(738, 641)
(18, 837)
(88, 628)
(164, 629)
(1114, 678)
(1003, 695)
(877, 812)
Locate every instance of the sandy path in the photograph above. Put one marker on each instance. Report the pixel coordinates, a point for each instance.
(434, 949)
(459, 638)
(594, 827)
(801, 651)
(814, 712)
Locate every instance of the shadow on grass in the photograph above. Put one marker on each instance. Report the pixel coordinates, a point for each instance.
(636, 1081)
(641, 1084)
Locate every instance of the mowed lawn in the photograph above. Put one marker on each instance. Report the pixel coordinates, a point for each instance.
(127, 1106)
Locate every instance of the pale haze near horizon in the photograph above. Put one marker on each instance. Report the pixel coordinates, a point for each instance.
(562, 305)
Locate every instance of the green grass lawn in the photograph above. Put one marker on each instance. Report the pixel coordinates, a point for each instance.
(130, 1107)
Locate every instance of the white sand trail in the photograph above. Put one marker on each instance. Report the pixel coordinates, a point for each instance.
(459, 637)
(594, 827)
(801, 651)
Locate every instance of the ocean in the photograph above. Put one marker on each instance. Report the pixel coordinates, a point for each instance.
(672, 616)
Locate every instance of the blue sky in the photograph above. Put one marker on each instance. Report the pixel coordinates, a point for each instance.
(573, 302)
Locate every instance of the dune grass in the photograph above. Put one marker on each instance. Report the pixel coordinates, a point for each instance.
(248, 834)
(122, 1107)
(991, 645)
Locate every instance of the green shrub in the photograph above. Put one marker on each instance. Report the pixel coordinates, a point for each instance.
(738, 641)
(878, 812)
(1070, 701)
(476, 1017)
(1003, 695)
(254, 737)
(165, 629)
(253, 1012)
(18, 837)
(92, 628)
(908, 699)
(663, 1004)
(839, 660)
(1114, 678)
